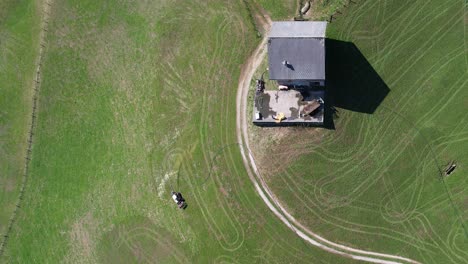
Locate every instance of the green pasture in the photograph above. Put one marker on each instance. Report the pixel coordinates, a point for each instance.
(287, 9)
(138, 99)
(19, 36)
(279, 9)
(397, 74)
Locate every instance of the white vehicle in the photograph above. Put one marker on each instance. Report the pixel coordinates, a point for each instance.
(179, 200)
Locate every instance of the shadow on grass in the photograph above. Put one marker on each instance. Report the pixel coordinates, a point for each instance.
(352, 83)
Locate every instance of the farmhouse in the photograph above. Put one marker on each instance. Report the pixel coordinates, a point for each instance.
(296, 65)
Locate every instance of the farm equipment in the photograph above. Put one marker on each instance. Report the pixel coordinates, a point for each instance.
(179, 200)
(311, 107)
(260, 86)
(450, 168)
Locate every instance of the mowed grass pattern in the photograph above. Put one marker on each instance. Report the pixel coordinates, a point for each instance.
(138, 99)
(375, 182)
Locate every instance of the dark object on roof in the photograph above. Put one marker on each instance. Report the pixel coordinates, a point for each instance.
(305, 58)
(311, 107)
(302, 46)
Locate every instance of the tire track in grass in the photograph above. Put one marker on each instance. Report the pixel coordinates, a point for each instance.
(227, 242)
(129, 238)
(394, 119)
(445, 100)
(410, 94)
(46, 9)
(347, 225)
(362, 150)
(301, 196)
(204, 111)
(450, 241)
(273, 234)
(426, 47)
(212, 82)
(266, 194)
(321, 214)
(318, 196)
(458, 132)
(427, 42)
(224, 241)
(355, 19)
(430, 151)
(388, 199)
(437, 240)
(362, 162)
(458, 232)
(399, 37)
(439, 169)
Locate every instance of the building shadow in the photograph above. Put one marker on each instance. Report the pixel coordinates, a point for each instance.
(351, 82)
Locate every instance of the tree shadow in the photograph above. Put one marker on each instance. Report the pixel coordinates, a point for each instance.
(351, 82)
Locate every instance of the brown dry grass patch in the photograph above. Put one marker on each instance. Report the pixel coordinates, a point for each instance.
(277, 148)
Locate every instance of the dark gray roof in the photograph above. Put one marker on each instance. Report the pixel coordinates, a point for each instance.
(305, 58)
(298, 29)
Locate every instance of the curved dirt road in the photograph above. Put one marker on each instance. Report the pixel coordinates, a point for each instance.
(247, 72)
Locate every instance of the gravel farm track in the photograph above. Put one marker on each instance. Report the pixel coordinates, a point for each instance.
(247, 72)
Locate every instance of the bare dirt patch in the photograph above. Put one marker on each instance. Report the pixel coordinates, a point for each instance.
(260, 17)
(10, 185)
(138, 240)
(81, 234)
(276, 148)
(223, 191)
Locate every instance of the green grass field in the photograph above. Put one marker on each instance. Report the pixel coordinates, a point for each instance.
(19, 32)
(322, 9)
(279, 9)
(397, 72)
(287, 9)
(138, 99)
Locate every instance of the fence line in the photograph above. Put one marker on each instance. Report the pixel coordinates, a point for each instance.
(30, 136)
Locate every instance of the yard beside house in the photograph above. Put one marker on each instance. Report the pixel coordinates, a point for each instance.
(397, 78)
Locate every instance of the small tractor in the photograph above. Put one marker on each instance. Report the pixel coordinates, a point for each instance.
(259, 86)
(179, 200)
